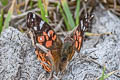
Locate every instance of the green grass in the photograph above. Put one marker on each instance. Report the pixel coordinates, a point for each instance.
(77, 12)
(9, 15)
(70, 23)
(104, 76)
(64, 17)
(43, 12)
(7, 20)
(4, 2)
(31, 3)
(68, 13)
(1, 21)
(68, 18)
(64, 10)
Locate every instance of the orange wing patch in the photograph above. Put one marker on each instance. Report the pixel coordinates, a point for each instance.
(54, 37)
(46, 35)
(78, 37)
(42, 57)
(48, 43)
(76, 44)
(79, 47)
(51, 32)
(45, 67)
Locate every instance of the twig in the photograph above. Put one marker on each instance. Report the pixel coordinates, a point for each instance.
(115, 3)
(26, 3)
(23, 14)
(59, 25)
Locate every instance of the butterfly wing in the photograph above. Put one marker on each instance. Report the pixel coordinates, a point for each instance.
(79, 32)
(72, 43)
(44, 35)
(78, 38)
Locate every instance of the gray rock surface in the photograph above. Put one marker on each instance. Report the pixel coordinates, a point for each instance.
(19, 62)
(17, 58)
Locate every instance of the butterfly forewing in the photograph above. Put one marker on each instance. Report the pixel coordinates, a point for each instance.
(45, 36)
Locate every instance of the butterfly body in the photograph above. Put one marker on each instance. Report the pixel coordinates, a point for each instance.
(60, 53)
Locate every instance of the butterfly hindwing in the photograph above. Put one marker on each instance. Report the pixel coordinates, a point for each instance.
(44, 59)
(78, 37)
(79, 32)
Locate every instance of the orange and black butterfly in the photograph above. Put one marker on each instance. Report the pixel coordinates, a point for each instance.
(60, 53)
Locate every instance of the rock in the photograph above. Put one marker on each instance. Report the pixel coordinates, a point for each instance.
(17, 58)
(99, 51)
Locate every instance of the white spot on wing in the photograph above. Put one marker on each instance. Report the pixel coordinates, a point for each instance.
(41, 24)
(81, 23)
(35, 28)
(82, 26)
(31, 19)
(34, 16)
(40, 38)
(48, 34)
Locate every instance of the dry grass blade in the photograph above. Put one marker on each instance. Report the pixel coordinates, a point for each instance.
(58, 27)
(18, 7)
(45, 2)
(95, 34)
(23, 14)
(26, 3)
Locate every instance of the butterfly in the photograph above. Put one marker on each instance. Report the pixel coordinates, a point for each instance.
(57, 54)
